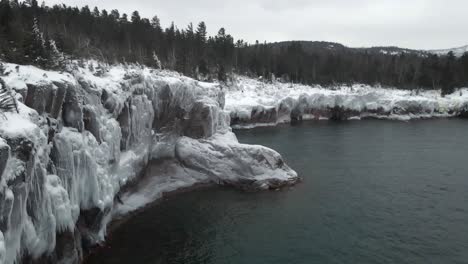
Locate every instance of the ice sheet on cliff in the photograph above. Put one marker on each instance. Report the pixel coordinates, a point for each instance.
(80, 137)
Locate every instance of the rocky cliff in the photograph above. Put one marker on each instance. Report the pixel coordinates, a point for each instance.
(81, 137)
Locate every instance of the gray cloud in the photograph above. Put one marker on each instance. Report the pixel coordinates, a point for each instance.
(419, 24)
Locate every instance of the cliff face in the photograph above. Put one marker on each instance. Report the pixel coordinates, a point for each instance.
(79, 138)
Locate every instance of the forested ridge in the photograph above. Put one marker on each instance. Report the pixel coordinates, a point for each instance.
(50, 36)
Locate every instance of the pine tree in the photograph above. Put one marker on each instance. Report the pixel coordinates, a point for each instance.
(136, 17)
(448, 77)
(32, 3)
(156, 23)
(222, 76)
(171, 52)
(201, 32)
(37, 45)
(124, 18)
(104, 13)
(96, 12)
(57, 58)
(156, 60)
(115, 14)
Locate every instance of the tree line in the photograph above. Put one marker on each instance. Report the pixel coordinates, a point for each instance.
(296, 62)
(49, 36)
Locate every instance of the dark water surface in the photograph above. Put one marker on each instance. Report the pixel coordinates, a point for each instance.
(373, 192)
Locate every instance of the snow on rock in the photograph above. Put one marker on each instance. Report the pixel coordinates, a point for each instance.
(81, 137)
(253, 103)
(162, 176)
(225, 161)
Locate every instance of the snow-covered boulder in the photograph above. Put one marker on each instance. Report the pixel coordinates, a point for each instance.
(225, 161)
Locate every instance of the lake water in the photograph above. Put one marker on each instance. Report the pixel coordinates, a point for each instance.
(372, 192)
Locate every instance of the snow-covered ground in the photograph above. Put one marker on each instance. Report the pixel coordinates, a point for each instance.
(251, 102)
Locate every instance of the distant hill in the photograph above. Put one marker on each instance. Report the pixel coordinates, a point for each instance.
(458, 52)
(318, 46)
(311, 46)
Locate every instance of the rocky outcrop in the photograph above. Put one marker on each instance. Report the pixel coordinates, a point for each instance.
(227, 162)
(80, 139)
(202, 121)
(91, 123)
(464, 111)
(72, 110)
(135, 121)
(46, 98)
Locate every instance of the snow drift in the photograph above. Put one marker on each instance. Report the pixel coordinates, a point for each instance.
(81, 137)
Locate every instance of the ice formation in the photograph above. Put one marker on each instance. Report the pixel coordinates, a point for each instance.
(73, 158)
(254, 103)
(81, 138)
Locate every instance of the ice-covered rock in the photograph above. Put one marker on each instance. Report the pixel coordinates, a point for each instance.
(464, 111)
(46, 98)
(202, 120)
(225, 161)
(80, 138)
(251, 103)
(4, 153)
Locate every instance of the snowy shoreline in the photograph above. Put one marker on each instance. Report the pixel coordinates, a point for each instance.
(356, 118)
(252, 103)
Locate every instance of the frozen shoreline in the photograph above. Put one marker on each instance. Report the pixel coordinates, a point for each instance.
(356, 118)
(252, 103)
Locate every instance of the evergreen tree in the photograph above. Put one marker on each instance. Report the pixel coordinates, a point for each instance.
(136, 17)
(96, 12)
(124, 18)
(36, 50)
(115, 15)
(157, 62)
(57, 58)
(201, 32)
(448, 75)
(155, 22)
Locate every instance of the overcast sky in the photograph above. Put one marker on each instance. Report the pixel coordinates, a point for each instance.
(418, 24)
